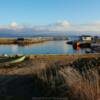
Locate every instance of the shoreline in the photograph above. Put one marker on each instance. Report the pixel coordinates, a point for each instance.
(33, 61)
(55, 56)
(26, 41)
(45, 58)
(22, 42)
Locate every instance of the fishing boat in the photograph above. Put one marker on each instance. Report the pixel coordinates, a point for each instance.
(12, 60)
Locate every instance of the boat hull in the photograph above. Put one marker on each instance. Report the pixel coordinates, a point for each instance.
(12, 59)
(18, 60)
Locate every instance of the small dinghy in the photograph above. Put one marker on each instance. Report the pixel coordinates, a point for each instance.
(12, 60)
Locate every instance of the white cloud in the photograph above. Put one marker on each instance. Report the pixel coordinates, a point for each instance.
(54, 27)
(65, 26)
(60, 26)
(92, 27)
(13, 25)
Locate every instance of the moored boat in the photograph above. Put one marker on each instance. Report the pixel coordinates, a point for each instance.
(12, 60)
(85, 45)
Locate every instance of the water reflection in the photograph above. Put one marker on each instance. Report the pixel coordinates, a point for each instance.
(14, 48)
(51, 47)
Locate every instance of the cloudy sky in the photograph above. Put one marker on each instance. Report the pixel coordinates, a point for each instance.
(50, 15)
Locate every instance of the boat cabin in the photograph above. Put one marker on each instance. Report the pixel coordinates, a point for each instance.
(86, 38)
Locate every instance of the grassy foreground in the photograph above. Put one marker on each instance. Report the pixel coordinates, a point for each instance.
(39, 77)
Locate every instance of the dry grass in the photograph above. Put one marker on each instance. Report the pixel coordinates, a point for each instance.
(82, 87)
(78, 79)
(57, 80)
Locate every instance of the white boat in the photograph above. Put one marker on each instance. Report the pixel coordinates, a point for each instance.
(10, 60)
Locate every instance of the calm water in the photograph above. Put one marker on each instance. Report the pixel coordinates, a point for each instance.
(51, 47)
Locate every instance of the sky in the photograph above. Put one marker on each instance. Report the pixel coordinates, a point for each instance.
(50, 15)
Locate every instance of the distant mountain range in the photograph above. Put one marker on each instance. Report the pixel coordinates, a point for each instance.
(44, 34)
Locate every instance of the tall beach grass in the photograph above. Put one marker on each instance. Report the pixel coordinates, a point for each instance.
(68, 81)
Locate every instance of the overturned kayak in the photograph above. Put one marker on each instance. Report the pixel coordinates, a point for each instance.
(15, 59)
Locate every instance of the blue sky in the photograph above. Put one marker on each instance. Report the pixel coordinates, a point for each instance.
(63, 15)
(48, 11)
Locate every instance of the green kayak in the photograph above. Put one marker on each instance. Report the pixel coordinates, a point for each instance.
(15, 59)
